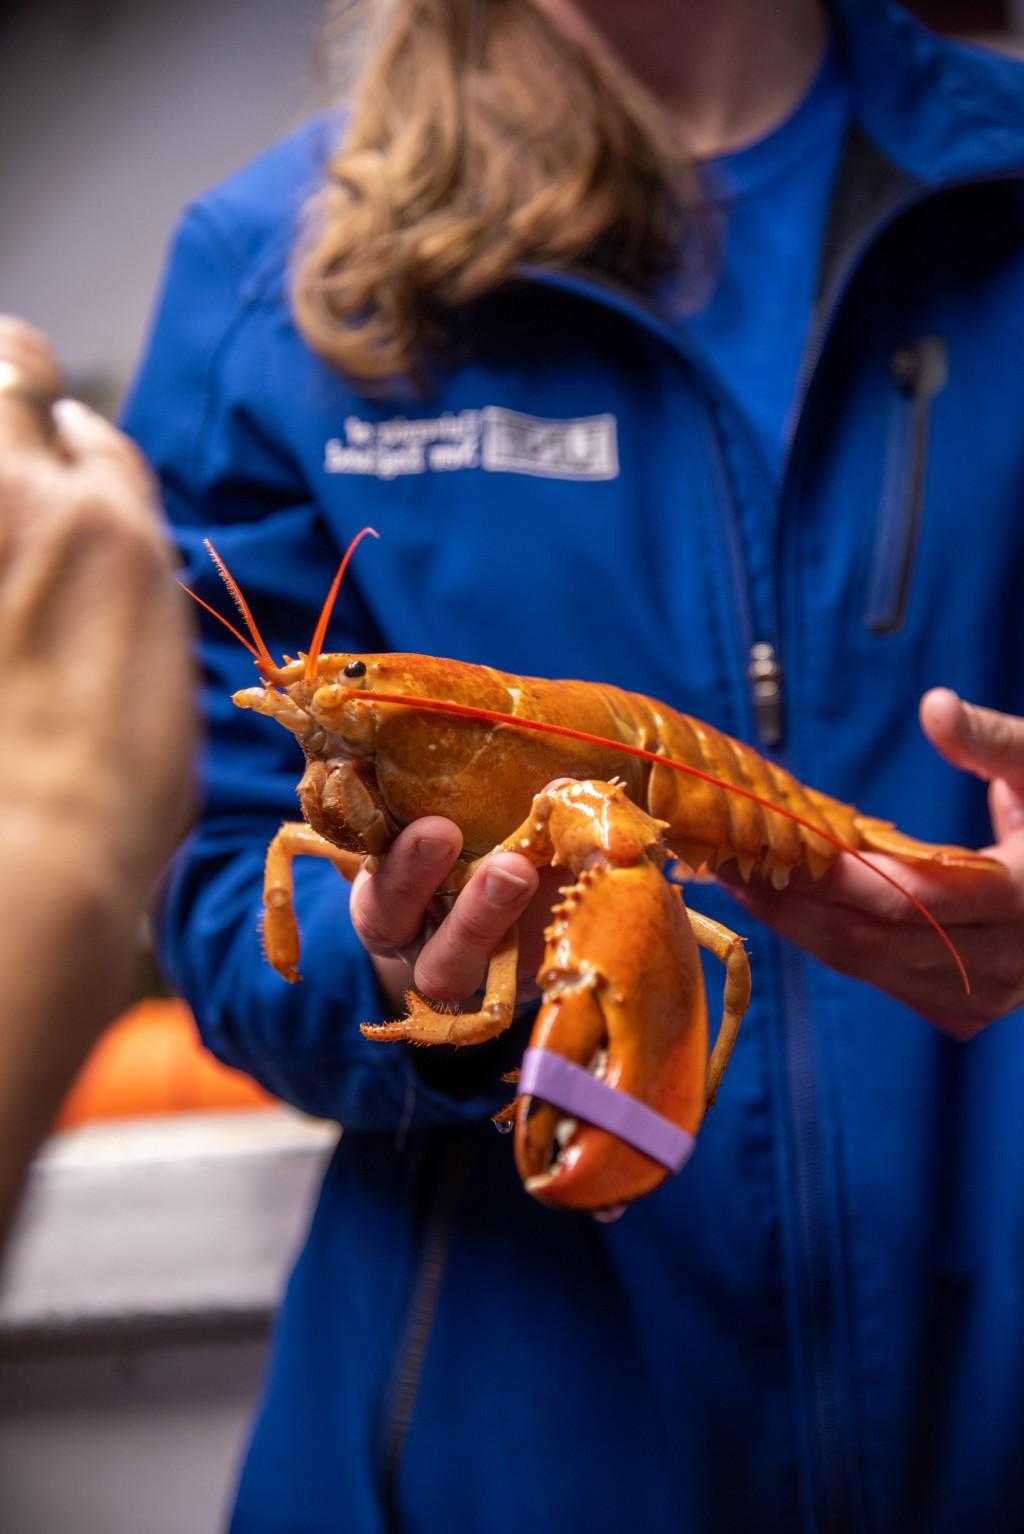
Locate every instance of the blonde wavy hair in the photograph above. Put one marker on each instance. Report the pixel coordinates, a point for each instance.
(481, 139)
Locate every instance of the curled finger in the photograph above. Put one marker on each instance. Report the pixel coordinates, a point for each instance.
(389, 906)
(453, 962)
(113, 463)
(29, 383)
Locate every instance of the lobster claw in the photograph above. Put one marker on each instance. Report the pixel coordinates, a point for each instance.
(623, 1001)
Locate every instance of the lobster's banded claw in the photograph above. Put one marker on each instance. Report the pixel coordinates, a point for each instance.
(624, 1005)
(587, 1134)
(587, 1097)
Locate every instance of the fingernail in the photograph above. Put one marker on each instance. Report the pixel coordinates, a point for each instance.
(503, 887)
(432, 850)
(71, 411)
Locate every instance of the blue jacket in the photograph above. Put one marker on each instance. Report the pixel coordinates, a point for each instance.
(818, 1325)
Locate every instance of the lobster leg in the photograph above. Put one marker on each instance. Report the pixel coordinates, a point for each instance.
(280, 929)
(728, 947)
(425, 1024)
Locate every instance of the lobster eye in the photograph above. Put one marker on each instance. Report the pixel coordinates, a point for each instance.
(355, 668)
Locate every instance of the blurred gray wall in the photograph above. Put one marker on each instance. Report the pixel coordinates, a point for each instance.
(112, 115)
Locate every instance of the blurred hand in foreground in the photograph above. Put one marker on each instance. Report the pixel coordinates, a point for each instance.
(96, 732)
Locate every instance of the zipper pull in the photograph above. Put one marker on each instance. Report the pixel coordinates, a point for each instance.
(765, 676)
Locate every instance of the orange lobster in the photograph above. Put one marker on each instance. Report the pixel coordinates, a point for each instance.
(617, 1077)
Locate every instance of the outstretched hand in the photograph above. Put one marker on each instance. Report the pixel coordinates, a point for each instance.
(862, 927)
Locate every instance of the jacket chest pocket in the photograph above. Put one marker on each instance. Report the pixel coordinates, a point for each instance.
(919, 373)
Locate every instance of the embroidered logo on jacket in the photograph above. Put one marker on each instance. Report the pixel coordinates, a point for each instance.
(497, 440)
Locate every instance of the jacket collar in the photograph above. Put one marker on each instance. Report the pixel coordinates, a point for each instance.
(938, 111)
(927, 113)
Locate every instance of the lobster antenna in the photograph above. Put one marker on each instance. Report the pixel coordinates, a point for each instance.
(543, 726)
(319, 633)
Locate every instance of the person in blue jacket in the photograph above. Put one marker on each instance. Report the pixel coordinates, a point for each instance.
(746, 437)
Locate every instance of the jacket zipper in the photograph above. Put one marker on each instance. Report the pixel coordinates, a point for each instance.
(764, 676)
(919, 371)
(836, 1504)
(763, 671)
(407, 1374)
(832, 1503)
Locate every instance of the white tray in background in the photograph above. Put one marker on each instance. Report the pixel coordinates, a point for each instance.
(190, 1218)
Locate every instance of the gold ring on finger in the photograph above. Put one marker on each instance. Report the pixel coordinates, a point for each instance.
(18, 383)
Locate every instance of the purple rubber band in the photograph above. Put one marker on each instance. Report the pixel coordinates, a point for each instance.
(576, 1091)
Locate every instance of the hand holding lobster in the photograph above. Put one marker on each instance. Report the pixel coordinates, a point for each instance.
(862, 927)
(391, 910)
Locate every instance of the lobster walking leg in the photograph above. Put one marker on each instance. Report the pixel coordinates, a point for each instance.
(280, 929)
(728, 947)
(423, 1023)
(426, 1024)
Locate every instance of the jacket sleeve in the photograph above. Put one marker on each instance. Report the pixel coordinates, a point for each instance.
(197, 412)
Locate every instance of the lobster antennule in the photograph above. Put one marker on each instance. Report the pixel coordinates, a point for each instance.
(257, 647)
(265, 660)
(543, 726)
(319, 633)
(220, 619)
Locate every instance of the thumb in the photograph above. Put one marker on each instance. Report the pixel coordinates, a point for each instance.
(1006, 806)
(979, 740)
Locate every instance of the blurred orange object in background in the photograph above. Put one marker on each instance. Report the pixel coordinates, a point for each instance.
(151, 1061)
